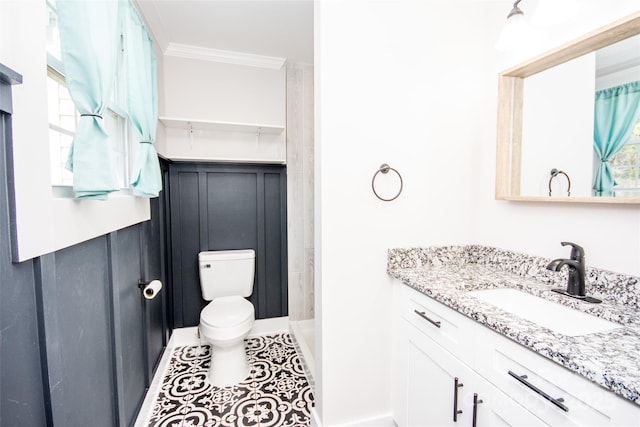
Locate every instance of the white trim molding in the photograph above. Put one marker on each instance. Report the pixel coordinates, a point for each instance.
(224, 56)
(378, 421)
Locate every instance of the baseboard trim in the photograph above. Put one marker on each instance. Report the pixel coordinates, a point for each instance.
(274, 325)
(379, 421)
(315, 421)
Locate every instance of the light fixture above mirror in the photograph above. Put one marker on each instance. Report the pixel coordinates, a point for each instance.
(515, 32)
(518, 32)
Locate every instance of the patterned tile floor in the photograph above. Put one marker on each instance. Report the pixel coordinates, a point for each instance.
(275, 394)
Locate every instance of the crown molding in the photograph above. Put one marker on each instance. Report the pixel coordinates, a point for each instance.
(224, 56)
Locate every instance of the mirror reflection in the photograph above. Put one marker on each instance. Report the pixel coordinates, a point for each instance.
(581, 126)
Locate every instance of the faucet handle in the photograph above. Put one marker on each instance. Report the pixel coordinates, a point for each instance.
(577, 252)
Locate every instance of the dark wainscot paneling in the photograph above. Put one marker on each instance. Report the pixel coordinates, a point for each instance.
(221, 207)
(98, 336)
(22, 399)
(78, 342)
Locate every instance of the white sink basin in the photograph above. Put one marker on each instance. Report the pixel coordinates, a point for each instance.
(548, 314)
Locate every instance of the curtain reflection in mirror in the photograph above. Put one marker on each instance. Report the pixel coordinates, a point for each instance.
(617, 111)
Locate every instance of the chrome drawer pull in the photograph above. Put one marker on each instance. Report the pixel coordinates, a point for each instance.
(456, 411)
(557, 402)
(424, 316)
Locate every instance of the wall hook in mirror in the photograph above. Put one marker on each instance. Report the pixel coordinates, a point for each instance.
(385, 168)
(554, 173)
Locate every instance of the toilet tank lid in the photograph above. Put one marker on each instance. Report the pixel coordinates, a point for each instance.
(226, 255)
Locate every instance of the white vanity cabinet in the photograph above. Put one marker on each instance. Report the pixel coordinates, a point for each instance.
(434, 345)
(442, 391)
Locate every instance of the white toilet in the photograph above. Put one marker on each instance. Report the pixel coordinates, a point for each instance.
(226, 277)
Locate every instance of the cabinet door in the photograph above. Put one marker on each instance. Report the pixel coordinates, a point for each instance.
(498, 409)
(432, 374)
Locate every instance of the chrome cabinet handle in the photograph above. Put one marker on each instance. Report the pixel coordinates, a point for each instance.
(424, 316)
(557, 402)
(456, 411)
(476, 402)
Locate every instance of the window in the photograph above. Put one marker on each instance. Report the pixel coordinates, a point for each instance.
(63, 119)
(626, 166)
(43, 221)
(63, 116)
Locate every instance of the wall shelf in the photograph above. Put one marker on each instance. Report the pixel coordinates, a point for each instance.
(215, 126)
(217, 159)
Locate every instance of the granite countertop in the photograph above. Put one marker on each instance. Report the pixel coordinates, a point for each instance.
(609, 359)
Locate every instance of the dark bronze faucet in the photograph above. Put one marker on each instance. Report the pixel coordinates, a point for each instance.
(576, 282)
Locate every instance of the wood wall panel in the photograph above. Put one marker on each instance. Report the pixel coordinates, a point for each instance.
(78, 342)
(22, 399)
(224, 207)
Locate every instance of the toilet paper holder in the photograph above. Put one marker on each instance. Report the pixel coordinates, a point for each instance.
(149, 288)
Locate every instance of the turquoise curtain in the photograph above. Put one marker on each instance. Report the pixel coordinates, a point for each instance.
(617, 110)
(142, 101)
(89, 39)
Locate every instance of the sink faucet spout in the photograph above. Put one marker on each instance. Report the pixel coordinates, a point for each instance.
(555, 264)
(576, 283)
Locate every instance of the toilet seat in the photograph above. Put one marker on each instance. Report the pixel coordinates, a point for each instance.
(227, 318)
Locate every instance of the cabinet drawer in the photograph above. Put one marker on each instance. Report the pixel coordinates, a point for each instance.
(433, 319)
(554, 394)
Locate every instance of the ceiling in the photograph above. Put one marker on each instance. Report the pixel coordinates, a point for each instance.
(277, 28)
(618, 56)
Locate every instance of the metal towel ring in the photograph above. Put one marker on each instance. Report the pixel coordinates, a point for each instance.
(385, 168)
(555, 172)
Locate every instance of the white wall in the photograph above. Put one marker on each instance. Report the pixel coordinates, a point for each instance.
(207, 90)
(213, 91)
(609, 234)
(414, 84)
(397, 83)
(557, 129)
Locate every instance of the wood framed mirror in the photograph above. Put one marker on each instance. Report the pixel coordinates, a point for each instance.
(511, 155)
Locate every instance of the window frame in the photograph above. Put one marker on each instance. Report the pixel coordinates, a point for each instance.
(632, 140)
(53, 73)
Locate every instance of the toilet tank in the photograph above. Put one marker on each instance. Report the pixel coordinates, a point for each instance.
(226, 273)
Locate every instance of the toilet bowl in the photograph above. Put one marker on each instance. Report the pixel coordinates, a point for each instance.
(226, 277)
(224, 323)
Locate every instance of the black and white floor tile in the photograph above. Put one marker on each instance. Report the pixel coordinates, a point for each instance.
(276, 393)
